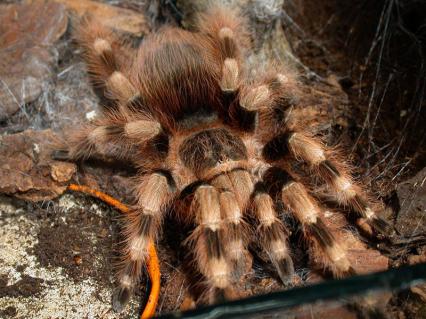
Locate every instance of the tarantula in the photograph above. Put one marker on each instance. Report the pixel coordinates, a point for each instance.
(211, 146)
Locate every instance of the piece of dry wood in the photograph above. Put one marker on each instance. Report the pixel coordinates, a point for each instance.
(119, 19)
(27, 170)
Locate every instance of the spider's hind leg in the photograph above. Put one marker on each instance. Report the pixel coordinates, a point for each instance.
(109, 62)
(256, 102)
(227, 32)
(241, 101)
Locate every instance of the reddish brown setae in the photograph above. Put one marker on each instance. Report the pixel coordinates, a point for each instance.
(211, 145)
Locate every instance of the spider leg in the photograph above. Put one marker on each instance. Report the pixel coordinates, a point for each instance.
(242, 185)
(302, 147)
(229, 35)
(236, 187)
(270, 231)
(273, 89)
(236, 233)
(335, 173)
(141, 226)
(208, 238)
(306, 210)
(304, 207)
(254, 99)
(227, 32)
(114, 135)
(109, 64)
(272, 234)
(122, 128)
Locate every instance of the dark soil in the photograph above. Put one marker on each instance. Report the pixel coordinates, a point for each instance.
(9, 312)
(26, 287)
(64, 241)
(408, 305)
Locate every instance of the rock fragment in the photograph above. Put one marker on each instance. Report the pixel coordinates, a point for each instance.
(411, 219)
(26, 59)
(26, 169)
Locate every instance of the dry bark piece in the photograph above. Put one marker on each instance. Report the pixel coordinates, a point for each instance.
(411, 220)
(119, 19)
(26, 169)
(61, 173)
(25, 60)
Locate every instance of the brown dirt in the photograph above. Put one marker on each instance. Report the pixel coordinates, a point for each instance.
(26, 287)
(9, 312)
(67, 244)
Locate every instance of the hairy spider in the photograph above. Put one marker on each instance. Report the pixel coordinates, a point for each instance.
(211, 146)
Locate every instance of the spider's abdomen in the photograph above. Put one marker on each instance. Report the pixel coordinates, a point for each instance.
(206, 149)
(178, 74)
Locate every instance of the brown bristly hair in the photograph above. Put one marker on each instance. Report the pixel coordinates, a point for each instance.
(211, 144)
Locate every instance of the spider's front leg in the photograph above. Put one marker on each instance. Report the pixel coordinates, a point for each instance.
(114, 136)
(236, 232)
(208, 239)
(141, 226)
(272, 234)
(271, 101)
(304, 207)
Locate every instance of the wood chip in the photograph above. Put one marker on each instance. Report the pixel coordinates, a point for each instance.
(27, 170)
(119, 19)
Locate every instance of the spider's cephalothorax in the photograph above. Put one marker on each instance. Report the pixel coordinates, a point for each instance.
(214, 146)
